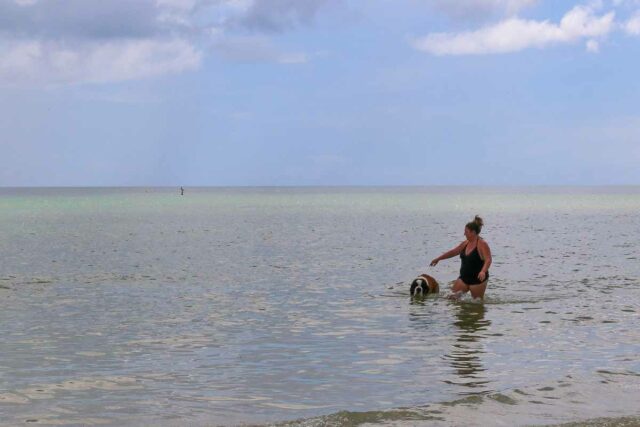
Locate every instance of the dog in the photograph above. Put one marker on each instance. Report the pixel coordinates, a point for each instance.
(423, 285)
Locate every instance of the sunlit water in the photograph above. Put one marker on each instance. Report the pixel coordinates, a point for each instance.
(259, 306)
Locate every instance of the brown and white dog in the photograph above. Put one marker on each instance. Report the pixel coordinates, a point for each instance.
(423, 285)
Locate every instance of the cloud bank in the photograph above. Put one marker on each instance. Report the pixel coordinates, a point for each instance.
(92, 62)
(466, 10)
(280, 15)
(515, 34)
(45, 42)
(53, 42)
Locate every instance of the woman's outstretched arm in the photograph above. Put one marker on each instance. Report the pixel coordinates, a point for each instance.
(449, 254)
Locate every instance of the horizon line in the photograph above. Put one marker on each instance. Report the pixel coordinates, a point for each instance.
(7, 187)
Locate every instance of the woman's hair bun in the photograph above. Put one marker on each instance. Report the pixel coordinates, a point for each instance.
(476, 224)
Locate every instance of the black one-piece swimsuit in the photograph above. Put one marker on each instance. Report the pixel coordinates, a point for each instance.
(471, 266)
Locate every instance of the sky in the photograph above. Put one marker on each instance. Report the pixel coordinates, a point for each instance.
(319, 92)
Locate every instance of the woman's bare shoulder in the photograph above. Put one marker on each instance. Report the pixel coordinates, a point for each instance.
(462, 244)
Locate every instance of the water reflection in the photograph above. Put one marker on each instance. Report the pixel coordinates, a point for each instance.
(465, 355)
(420, 314)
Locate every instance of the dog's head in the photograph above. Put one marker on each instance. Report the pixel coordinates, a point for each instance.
(419, 287)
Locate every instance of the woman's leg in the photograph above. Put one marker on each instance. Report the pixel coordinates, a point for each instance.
(458, 288)
(477, 291)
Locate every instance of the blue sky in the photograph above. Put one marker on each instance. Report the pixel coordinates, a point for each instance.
(319, 92)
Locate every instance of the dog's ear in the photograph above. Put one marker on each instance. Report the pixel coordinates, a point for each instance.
(424, 286)
(432, 282)
(414, 285)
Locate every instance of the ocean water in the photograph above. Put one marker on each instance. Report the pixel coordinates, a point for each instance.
(290, 306)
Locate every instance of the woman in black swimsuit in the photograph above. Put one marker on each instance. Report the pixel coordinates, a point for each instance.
(476, 259)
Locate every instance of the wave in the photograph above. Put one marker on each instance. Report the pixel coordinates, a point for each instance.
(567, 402)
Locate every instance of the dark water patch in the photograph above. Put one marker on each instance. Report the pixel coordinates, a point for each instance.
(496, 299)
(349, 418)
(633, 421)
(624, 373)
(36, 282)
(502, 398)
(469, 400)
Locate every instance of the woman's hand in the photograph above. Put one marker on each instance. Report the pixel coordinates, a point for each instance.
(481, 276)
(434, 262)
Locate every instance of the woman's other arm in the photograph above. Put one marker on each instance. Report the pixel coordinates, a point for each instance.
(485, 255)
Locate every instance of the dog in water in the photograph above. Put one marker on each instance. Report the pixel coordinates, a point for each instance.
(423, 285)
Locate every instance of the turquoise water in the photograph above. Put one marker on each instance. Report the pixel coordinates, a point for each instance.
(285, 305)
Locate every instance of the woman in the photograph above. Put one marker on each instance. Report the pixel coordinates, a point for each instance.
(476, 260)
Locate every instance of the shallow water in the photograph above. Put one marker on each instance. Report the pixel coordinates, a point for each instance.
(258, 306)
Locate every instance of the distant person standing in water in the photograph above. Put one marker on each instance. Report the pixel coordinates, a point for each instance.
(182, 191)
(475, 256)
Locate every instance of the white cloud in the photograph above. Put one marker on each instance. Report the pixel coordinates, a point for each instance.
(593, 46)
(52, 62)
(632, 26)
(515, 34)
